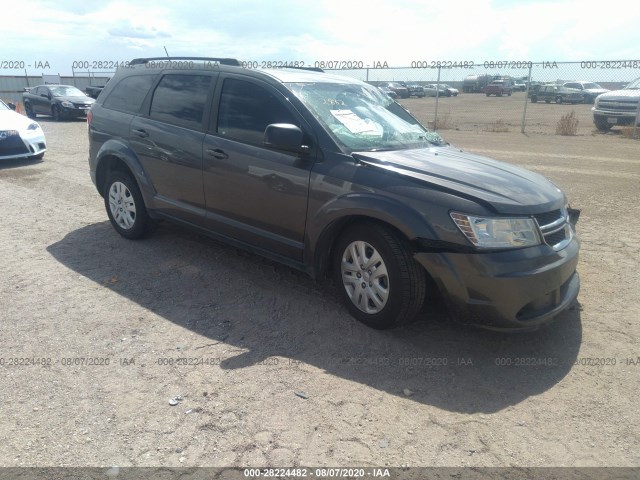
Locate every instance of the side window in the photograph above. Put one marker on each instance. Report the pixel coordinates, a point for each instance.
(246, 109)
(180, 99)
(129, 93)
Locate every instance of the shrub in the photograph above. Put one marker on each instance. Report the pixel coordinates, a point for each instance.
(568, 124)
(497, 126)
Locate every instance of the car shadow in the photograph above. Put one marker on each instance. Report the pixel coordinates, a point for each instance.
(271, 314)
(19, 162)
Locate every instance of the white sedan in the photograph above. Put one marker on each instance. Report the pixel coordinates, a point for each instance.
(20, 136)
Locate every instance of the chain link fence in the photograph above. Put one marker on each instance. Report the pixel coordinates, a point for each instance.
(542, 97)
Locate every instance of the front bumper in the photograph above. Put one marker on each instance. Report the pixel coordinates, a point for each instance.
(73, 112)
(508, 290)
(22, 144)
(621, 117)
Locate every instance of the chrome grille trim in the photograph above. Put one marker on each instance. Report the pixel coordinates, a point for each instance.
(551, 224)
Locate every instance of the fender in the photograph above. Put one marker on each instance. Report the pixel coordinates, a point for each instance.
(326, 222)
(117, 148)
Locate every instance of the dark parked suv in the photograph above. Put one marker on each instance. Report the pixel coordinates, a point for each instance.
(329, 175)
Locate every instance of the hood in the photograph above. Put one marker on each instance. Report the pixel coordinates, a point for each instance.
(83, 99)
(624, 94)
(10, 120)
(505, 188)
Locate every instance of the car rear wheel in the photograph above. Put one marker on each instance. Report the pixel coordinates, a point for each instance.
(378, 279)
(125, 206)
(488, 94)
(29, 111)
(558, 99)
(534, 99)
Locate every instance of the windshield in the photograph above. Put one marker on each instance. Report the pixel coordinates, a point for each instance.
(360, 117)
(591, 85)
(64, 91)
(634, 85)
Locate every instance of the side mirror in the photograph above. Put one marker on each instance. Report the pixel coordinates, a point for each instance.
(284, 136)
(44, 95)
(12, 106)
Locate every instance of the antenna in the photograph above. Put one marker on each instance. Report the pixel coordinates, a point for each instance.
(165, 50)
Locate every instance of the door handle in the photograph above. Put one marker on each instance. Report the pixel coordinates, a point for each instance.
(217, 153)
(141, 132)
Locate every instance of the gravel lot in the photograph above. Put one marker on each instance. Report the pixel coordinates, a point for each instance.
(113, 323)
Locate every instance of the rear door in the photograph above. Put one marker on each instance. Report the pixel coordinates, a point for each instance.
(168, 142)
(255, 194)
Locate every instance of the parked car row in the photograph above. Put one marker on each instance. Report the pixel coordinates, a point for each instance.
(404, 90)
(568, 92)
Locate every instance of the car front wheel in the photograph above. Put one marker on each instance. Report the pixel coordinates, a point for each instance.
(377, 277)
(29, 110)
(558, 99)
(602, 124)
(56, 113)
(125, 206)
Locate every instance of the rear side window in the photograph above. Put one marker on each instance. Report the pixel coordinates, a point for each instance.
(129, 93)
(180, 100)
(246, 109)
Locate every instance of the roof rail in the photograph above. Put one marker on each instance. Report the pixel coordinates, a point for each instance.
(311, 69)
(222, 61)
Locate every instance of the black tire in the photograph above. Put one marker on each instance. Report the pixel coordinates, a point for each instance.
(56, 113)
(29, 111)
(534, 99)
(558, 99)
(509, 93)
(141, 223)
(405, 278)
(601, 124)
(499, 94)
(546, 100)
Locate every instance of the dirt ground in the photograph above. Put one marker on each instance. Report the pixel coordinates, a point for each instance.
(98, 334)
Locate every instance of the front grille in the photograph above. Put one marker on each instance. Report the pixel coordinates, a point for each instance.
(82, 105)
(555, 228)
(621, 105)
(548, 217)
(11, 143)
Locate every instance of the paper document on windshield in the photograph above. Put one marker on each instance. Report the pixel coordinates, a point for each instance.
(354, 123)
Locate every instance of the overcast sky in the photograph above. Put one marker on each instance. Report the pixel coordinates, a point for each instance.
(400, 31)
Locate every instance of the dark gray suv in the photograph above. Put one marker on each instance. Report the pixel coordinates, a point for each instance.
(329, 175)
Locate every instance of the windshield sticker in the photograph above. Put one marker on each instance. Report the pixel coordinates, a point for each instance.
(354, 123)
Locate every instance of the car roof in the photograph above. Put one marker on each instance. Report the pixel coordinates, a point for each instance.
(231, 65)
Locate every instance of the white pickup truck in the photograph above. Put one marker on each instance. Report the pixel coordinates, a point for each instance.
(619, 107)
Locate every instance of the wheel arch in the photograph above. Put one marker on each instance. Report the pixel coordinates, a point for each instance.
(322, 236)
(116, 156)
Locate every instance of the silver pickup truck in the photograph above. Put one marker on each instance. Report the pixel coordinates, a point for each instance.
(619, 107)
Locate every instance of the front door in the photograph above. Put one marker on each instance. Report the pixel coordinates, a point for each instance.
(255, 194)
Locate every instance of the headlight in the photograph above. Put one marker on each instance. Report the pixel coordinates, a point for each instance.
(33, 126)
(486, 232)
(67, 104)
